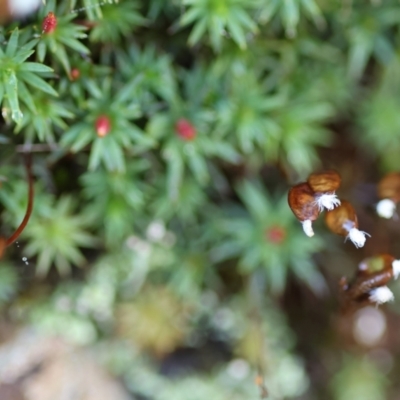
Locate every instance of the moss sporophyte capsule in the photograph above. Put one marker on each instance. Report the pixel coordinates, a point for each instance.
(302, 203)
(324, 185)
(389, 193)
(343, 221)
(369, 284)
(308, 199)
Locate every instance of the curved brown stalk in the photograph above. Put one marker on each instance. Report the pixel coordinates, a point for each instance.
(29, 207)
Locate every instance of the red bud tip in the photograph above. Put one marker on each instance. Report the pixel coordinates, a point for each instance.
(185, 129)
(49, 24)
(275, 234)
(103, 126)
(75, 74)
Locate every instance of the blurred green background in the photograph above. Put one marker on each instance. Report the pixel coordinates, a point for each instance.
(162, 261)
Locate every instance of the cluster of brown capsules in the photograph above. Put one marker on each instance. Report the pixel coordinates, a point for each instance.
(308, 200)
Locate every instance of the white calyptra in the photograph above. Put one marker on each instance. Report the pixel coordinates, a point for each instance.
(307, 227)
(327, 200)
(357, 237)
(21, 8)
(386, 208)
(381, 295)
(396, 268)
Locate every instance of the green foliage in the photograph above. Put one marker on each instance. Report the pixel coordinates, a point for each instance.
(359, 379)
(116, 22)
(177, 204)
(264, 238)
(218, 17)
(118, 198)
(149, 73)
(289, 12)
(379, 119)
(49, 116)
(65, 36)
(16, 72)
(124, 135)
(8, 282)
(54, 235)
(368, 35)
(179, 153)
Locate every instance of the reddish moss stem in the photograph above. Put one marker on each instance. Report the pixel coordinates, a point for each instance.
(29, 207)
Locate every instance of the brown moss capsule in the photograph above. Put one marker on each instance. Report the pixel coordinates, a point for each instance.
(376, 263)
(327, 181)
(369, 285)
(324, 185)
(389, 192)
(302, 202)
(389, 187)
(368, 289)
(343, 221)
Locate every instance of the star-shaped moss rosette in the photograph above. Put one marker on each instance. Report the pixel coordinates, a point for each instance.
(55, 236)
(188, 143)
(267, 120)
(308, 199)
(370, 282)
(106, 126)
(115, 200)
(59, 35)
(263, 236)
(47, 122)
(19, 78)
(55, 232)
(149, 73)
(389, 194)
(230, 18)
(190, 202)
(84, 73)
(115, 23)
